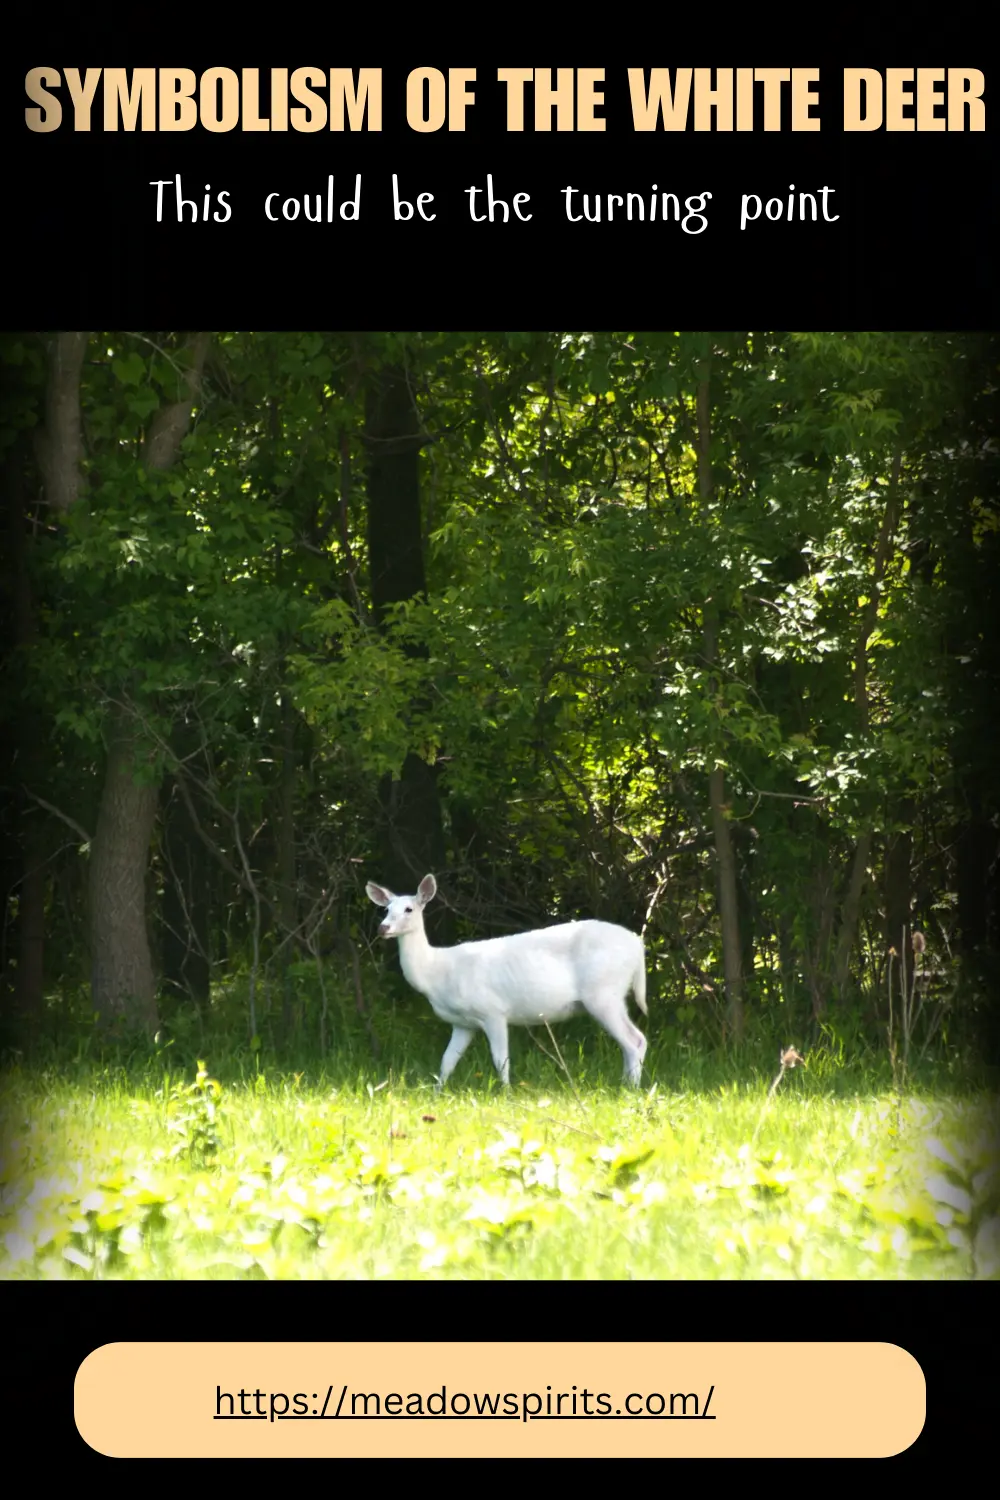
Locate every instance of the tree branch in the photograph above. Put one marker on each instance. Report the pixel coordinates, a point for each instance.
(170, 423)
(70, 822)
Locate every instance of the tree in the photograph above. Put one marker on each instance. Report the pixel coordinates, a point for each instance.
(689, 631)
(393, 440)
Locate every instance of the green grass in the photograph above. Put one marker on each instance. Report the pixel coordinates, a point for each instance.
(126, 1170)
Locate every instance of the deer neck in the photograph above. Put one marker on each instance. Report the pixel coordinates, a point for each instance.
(416, 957)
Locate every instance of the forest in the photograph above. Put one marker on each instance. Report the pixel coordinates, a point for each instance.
(691, 632)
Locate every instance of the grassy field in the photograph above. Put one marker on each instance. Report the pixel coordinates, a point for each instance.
(142, 1168)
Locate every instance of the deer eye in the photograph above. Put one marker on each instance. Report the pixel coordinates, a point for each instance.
(409, 908)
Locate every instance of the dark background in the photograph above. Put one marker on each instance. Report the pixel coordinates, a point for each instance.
(915, 244)
(915, 247)
(946, 1327)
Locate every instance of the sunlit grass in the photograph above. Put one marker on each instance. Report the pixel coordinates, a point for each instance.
(136, 1173)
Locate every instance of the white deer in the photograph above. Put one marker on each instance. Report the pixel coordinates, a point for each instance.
(526, 979)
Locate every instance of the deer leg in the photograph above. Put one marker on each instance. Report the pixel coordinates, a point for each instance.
(630, 1039)
(496, 1035)
(460, 1039)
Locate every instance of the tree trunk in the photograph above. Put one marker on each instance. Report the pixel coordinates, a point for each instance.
(898, 894)
(413, 813)
(59, 444)
(121, 965)
(817, 952)
(122, 972)
(974, 850)
(728, 904)
(850, 911)
(469, 847)
(393, 441)
(728, 896)
(186, 903)
(29, 980)
(288, 904)
(745, 911)
(29, 988)
(414, 843)
(788, 960)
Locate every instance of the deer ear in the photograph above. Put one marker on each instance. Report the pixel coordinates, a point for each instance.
(378, 894)
(427, 889)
